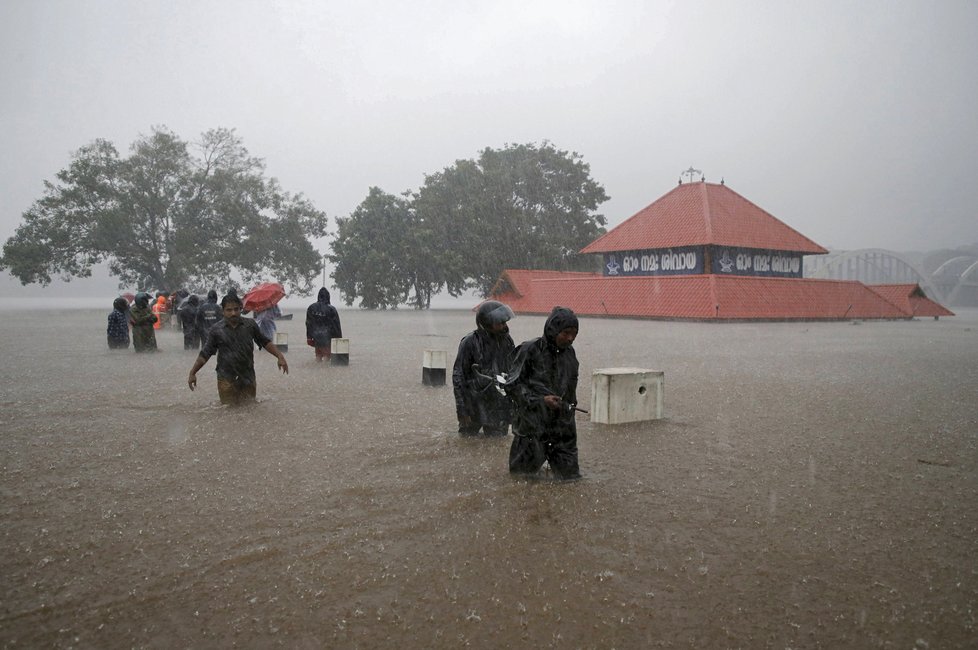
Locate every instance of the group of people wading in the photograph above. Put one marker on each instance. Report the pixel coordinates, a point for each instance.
(222, 330)
(144, 319)
(531, 387)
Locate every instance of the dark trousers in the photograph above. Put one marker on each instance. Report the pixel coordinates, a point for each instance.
(499, 429)
(528, 453)
(191, 340)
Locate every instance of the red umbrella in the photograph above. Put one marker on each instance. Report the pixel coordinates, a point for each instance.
(129, 297)
(263, 296)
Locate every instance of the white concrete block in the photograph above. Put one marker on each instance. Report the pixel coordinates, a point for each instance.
(282, 341)
(434, 366)
(339, 352)
(620, 395)
(435, 359)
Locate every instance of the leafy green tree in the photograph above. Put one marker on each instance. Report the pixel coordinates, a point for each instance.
(425, 262)
(166, 218)
(524, 206)
(369, 252)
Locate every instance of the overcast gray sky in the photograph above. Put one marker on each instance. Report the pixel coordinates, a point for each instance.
(855, 123)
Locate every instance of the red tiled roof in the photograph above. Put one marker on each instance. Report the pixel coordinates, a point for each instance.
(696, 297)
(910, 298)
(695, 214)
(799, 299)
(516, 278)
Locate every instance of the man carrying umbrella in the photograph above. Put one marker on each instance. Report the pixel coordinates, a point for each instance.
(232, 340)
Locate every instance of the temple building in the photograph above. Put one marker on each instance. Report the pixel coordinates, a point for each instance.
(704, 252)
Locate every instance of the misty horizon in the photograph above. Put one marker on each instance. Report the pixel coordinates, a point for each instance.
(852, 124)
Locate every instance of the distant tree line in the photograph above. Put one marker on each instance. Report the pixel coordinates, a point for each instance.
(176, 214)
(165, 218)
(523, 206)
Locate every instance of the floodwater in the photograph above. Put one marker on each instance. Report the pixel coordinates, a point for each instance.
(812, 485)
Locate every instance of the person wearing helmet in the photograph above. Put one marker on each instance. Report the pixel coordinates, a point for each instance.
(478, 405)
(544, 389)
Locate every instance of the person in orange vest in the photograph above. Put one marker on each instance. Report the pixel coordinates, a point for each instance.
(160, 310)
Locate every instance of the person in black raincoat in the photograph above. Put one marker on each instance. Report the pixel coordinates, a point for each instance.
(188, 321)
(117, 332)
(208, 315)
(544, 388)
(478, 405)
(177, 302)
(322, 325)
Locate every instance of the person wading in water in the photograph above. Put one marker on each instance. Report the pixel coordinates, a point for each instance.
(233, 340)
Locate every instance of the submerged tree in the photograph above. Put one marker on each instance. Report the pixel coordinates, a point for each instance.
(520, 207)
(386, 255)
(369, 251)
(165, 218)
(524, 206)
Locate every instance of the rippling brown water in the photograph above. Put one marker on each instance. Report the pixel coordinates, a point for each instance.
(813, 485)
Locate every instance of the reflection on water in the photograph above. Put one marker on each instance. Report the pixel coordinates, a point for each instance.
(813, 484)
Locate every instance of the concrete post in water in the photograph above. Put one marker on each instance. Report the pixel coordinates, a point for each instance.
(282, 341)
(433, 367)
(339, 352)
(620, 395)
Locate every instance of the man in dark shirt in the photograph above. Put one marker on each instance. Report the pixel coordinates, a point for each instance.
(233, 340)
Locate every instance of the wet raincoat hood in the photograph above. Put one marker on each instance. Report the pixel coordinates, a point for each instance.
(560, 319)
(142, 300)
(120, 304)
(212, 296)
(323, 296)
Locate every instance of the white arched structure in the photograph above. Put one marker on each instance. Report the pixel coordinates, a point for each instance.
(948, 265)
(872, 266)
(968, 279)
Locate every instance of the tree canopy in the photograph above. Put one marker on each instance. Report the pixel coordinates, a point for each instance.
(165, 217)
(369, 251)
(523, 206)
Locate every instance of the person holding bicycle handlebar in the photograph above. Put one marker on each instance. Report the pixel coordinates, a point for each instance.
(478, 405)
(545, 394)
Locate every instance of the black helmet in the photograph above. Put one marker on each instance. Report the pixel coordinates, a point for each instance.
(492, 313)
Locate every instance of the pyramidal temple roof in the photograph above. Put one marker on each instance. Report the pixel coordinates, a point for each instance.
(700, 213)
